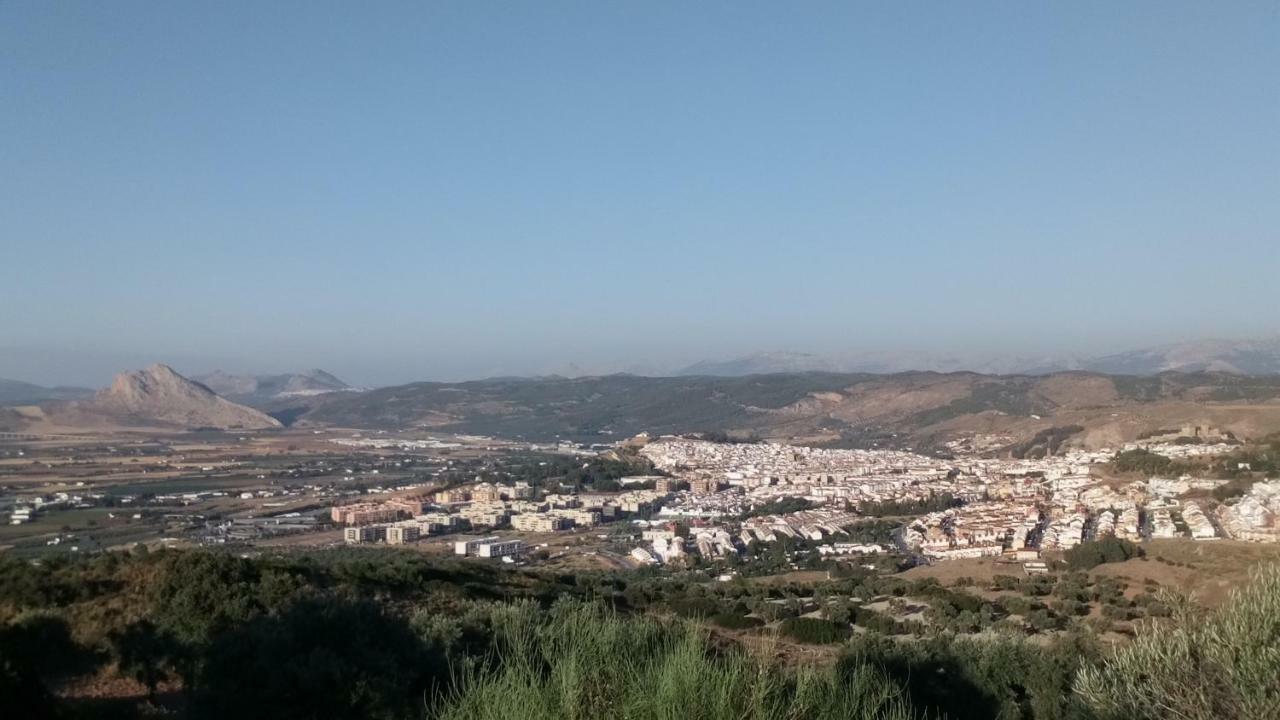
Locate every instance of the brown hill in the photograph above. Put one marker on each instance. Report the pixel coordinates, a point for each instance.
(157, 397)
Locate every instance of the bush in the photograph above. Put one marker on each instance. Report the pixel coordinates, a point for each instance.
(730, 621)
(1219, 667)
(694, 607)
(1092, 553)
(813, 631)
(1004, 678)
(579, 662)
(775, 611)
(36, 651)
(318, 658)
(1146, 462)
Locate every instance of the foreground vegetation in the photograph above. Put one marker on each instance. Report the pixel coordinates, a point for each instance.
(355, 634)
(1223, 666)
(581, 662)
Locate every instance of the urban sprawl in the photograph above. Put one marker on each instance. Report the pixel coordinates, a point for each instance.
(706, 503)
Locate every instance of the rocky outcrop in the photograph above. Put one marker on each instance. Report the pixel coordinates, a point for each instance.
(158, 395)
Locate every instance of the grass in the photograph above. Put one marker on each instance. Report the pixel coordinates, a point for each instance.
(1207, 571)
(171, 486)
(49, 522)
(584, 663)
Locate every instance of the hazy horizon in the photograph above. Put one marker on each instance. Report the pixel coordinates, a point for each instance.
(413, 192)
(86, 368)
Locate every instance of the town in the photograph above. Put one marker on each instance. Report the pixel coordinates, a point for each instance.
(692, 500)
(707, 499)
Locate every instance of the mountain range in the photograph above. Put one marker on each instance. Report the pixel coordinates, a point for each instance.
(256, 389)
(1243, 357)
(155, 398)
(16, 392)
(918, 409)
(1230, 385)
(1022, 413)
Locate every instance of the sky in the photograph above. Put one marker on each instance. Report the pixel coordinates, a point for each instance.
(408, 191)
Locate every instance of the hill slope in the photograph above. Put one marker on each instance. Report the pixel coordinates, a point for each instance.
(16, 392)
(157, 397)
(1242, 357)
(1246, 357)
(832, 408)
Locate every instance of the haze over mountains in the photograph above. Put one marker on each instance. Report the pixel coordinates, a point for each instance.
(260, 388)
(1248, 356)
(17, 392)
(1234, 385)
(1244, 357)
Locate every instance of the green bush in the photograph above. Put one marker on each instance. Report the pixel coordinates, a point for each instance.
(987, 678)
(1223, 666)
(775, 611)
(579, 662)
(36, 651)
(813, 631)
(729, 621)
(1146, 462)
(1108, 549)
(325, 657)
(694, 607)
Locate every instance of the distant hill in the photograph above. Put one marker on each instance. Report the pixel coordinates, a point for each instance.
(259, 389)
(157, 397)
(836, 409)
(762, 364)
(880, 362)
(16, 392)
(1244, 357)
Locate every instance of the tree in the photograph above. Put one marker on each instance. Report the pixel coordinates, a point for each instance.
(319, 657)
(145, 652)
(35, 650)
(1108, 549)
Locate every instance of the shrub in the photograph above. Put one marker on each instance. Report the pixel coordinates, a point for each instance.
(580, 662)
(1003, 678)
(694, 607)
(318, 658)
(813, 631)
(1093, 553)
(729, 621)
(1219, 667)
(775, 611)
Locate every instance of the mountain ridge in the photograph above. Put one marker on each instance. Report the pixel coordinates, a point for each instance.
(160, 394)
(18, 392)
(1241, 357)
(258, 389)
(833, 409)
(155, 397)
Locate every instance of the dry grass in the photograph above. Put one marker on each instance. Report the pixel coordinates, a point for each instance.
(947, 571)
(799, 577)
(1208, 571)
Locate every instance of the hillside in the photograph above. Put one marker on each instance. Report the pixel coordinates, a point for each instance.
(16, 392)
(1242, 357)
(829, 408)
(1245, 357)
(157, 397)
(761, 364)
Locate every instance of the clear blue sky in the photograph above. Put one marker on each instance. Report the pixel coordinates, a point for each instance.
(416, 190)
